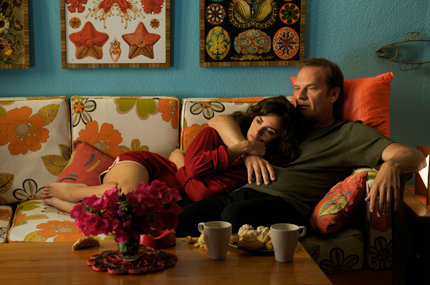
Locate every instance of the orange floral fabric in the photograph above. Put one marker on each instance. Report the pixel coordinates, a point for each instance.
(106, 140)
(169, 111)
(4, 215)
(190, 133)
(241, 101)
(22, 131)
(63, 231)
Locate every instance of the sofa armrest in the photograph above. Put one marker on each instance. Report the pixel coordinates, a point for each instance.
(397, 236)
(401, 238)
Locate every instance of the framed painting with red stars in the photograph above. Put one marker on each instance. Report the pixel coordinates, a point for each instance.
(115, 33)
(252, 32)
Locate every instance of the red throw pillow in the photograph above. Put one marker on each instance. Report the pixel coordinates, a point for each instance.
(366, 99)
(339, 204)
(85, 165)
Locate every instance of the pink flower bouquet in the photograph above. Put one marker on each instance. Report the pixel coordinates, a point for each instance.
(129, 215)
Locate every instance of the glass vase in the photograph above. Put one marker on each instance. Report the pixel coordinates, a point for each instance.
(129, 251)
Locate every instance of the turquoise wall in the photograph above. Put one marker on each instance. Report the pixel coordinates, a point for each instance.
(347, 32)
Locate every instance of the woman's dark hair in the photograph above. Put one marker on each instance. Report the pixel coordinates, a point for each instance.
(286, 148)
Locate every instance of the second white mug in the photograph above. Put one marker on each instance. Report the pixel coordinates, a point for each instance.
(284, 240)
(217, 236)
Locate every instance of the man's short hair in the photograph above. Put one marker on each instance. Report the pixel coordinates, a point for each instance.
(334, 76)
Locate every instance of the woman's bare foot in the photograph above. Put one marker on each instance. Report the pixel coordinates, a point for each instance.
(68, 192)
(59, 204)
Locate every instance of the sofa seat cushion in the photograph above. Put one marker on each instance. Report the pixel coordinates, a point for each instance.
(5, 219)
(35, 222)
(34, 145)
(341, 251)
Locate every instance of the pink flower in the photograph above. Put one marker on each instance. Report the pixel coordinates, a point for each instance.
(129, 215)
(172, 195)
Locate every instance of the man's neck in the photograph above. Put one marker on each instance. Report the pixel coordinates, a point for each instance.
(321, 123)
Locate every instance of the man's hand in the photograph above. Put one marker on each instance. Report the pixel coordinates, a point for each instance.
(399, 160)
(178, 157)
(262, 169)
(387, 187)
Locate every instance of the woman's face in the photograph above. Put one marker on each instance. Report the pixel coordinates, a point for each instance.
(265, 129)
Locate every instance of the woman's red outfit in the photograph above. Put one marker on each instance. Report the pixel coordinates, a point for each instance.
(207, 172)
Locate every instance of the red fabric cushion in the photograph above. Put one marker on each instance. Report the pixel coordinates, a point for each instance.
(339, 204)
(366, 99)
(85, 165)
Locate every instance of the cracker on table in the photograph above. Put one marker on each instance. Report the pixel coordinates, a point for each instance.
(85, 242)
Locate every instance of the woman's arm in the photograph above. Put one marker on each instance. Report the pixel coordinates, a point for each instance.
(229, 131)
(207, 155)
(178, 157)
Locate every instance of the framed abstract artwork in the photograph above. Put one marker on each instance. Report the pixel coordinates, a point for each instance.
(252, 32)
(14, 39)
(115, 33)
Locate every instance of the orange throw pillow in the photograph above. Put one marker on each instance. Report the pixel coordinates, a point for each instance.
(85, 165)
(366, 99)
(339, 204)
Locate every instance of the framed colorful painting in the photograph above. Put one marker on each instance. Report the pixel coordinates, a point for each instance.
(14, 42)
(115, 33)
(252, 32)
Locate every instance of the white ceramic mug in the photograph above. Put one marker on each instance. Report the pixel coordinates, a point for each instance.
(217, 237)
(284, 240)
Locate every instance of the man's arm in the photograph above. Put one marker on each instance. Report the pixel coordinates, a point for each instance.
(231, 135)
(397, 160)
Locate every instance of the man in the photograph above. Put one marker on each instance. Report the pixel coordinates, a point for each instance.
(331, 149)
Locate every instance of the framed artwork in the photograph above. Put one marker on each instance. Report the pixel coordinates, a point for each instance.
(14, 39)
(115, 33)
(252, 32)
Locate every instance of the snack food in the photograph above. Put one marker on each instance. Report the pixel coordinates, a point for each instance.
(85, 242)
(198, 242)
(250, 239)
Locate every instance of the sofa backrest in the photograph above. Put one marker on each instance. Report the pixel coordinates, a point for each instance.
(34, 145)
(118, 124)
(196, 113)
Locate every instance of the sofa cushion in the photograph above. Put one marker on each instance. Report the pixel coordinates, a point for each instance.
(118, 124)
(341, 251)
(366, 99)
(85, 165)
(5, 217)
(339, 204)
(35, 222)
(34, 145)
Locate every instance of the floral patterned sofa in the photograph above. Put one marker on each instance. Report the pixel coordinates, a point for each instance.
(36, 136)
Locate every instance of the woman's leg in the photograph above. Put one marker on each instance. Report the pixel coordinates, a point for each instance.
(124, 175)
(243, 206)
(205, 210)
(263, 211)
(59, 204)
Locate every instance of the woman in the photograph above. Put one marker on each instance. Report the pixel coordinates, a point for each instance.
(273, 128)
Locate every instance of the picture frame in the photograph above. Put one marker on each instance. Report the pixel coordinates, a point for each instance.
(115, 34)
(14, 35)
(252, 32)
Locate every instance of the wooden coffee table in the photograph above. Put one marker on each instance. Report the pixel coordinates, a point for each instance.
(57, 263)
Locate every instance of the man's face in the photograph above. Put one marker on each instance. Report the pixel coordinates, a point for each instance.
(313, 97)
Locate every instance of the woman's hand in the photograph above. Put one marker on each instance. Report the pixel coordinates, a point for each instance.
(246, 147)
(178, 157)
